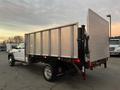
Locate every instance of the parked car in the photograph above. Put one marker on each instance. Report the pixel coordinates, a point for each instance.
(2, 48)
(114, 47)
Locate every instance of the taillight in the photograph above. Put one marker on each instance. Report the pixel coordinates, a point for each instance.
(76, 61)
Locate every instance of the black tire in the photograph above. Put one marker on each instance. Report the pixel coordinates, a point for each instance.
(49, 73)
(11, 61)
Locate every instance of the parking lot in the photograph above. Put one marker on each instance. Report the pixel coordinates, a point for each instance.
(22, 77)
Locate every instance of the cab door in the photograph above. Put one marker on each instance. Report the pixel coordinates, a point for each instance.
(20, 52)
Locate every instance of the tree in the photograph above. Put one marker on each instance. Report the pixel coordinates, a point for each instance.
(15, 39)
(18, 39)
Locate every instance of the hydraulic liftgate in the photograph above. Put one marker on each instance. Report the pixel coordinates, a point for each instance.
(83, 49)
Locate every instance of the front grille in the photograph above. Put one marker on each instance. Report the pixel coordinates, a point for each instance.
(111, 48)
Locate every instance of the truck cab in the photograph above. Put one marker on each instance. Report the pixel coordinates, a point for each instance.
(16, 54)
(114, 47)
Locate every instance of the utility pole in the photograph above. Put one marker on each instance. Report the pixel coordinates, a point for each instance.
(109, 16)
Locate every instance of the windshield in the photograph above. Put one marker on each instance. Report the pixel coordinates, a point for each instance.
(114, 42)
(20, 46)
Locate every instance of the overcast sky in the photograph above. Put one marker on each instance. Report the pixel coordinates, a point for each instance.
(20, 16)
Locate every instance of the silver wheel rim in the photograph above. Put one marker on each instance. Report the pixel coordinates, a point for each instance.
(10, 60)
(48, 72)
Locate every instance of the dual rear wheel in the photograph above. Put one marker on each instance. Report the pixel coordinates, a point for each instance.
(49, 73)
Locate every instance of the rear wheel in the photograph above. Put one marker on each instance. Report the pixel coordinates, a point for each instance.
(11, 61)
(49, 73)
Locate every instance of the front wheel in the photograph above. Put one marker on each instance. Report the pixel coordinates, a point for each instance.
(49, 73)
(11, 61)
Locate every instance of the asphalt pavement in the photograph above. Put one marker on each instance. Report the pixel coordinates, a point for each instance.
(21, 77)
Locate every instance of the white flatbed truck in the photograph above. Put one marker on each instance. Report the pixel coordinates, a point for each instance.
(67, 46)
